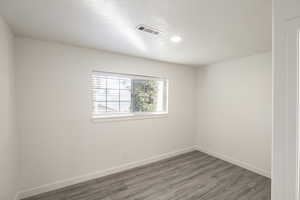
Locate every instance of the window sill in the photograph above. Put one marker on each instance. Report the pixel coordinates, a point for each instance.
(127, 117)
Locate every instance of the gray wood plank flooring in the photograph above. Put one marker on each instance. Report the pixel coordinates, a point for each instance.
(191, 176)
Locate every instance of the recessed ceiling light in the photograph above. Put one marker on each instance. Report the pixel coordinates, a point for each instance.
(176, 38)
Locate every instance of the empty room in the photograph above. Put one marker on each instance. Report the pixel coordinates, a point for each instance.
(147, 100)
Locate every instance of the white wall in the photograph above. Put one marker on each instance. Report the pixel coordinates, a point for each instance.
(235, 111)
(8, 138)
(59, 141)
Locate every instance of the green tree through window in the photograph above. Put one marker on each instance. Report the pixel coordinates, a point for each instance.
(145, 95)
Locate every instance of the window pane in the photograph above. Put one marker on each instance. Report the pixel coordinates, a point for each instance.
(125, 84)
(99, 107)
(125, 95)
(113, 83)
(125, 106)
(112, 95)
(112, 106)
(99, 94)
(145, 95)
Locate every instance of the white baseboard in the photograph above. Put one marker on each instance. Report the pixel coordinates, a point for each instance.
(235, 162)
(63, 183)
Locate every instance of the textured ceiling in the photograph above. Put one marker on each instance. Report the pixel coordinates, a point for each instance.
(211, 30)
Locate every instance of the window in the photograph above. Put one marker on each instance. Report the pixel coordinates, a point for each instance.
(127, 95)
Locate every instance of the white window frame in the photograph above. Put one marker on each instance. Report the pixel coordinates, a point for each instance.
(286, 112)
(130, 115)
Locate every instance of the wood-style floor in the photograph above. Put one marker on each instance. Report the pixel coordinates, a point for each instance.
(191, 176)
